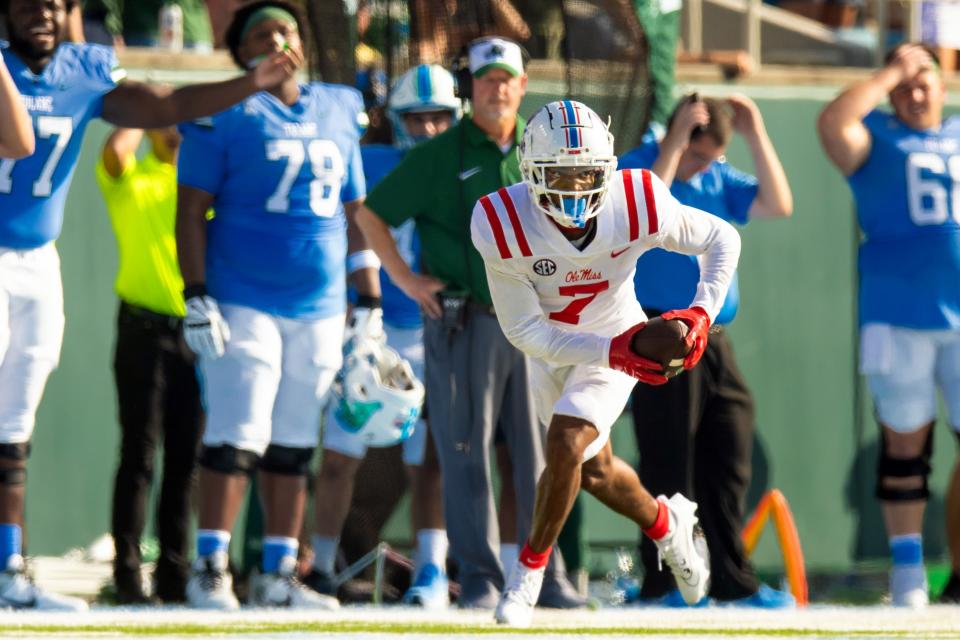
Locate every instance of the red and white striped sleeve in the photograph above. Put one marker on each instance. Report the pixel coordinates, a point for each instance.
(643, 218)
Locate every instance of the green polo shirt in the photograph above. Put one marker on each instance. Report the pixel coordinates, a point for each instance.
(437, 184)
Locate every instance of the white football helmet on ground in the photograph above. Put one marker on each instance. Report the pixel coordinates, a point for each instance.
(567, 137)
(376, 395)
(425, 87)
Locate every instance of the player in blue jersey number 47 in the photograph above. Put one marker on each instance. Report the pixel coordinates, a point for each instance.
(904, 170)
(63, 86)
(266, 297)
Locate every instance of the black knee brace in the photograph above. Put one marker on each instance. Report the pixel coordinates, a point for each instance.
(904, 468)
(17, 452)
(287, 461)
(230, 460)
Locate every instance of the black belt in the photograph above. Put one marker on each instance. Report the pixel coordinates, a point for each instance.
(152, 317)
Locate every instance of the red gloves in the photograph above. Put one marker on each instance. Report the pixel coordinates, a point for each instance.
(698, 323)
(622, 358)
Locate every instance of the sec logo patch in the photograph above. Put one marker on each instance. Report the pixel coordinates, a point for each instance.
(545, 267)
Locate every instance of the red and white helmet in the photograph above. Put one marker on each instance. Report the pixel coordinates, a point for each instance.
(566, 134)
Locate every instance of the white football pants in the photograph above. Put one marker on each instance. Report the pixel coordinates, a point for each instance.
(31, 333)
(595, 394)
(272, 380)
(904, 367)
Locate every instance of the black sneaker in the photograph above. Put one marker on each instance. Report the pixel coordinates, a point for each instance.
(170, 582)
(128, 588)
(321, 582)
(951, 592)
(129, 591)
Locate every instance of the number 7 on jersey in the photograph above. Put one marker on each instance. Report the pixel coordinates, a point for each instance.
(583, 294)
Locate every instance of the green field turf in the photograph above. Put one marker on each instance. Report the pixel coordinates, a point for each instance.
(828, 623)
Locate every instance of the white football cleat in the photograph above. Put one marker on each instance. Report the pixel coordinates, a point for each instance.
(17, 591)
(908, 586)
(210, 585)
(686, 555)
(520, 596)
(283, 589)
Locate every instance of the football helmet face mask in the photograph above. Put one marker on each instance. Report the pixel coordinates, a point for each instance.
(567, 161)
(376, 395)
(426, 87)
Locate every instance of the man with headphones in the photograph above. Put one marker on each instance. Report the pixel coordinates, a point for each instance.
(436, 185)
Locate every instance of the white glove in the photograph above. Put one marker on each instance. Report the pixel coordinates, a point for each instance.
(365, 324)
(204, 329)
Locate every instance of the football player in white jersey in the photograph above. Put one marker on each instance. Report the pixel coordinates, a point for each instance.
(560, 250)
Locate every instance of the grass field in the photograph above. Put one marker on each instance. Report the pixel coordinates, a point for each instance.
(365, 622)
(83, 578)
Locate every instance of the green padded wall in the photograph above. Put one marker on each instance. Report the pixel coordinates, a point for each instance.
(74, 454)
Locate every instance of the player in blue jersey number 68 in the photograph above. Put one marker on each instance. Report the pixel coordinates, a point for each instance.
(63, 86)
(904, 171)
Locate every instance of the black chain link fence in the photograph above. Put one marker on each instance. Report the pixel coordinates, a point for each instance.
(588, 50)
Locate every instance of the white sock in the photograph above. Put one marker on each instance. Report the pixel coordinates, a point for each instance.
(324, 553)
(431, 549)
(509, 554)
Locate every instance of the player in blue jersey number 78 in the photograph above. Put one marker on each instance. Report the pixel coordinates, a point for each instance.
(904, 171)
(63, 86)
(265, 290)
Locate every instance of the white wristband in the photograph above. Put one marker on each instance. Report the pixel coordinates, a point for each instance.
(365, 259)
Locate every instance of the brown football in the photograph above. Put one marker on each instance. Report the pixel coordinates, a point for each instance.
(663, 341)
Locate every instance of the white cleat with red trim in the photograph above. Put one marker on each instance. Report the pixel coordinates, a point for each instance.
(684, 551)
(520, 596)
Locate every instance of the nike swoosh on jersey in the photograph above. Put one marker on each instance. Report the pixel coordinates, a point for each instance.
(614, 254)
(469, 173)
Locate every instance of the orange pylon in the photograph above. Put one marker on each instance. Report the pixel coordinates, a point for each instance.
(774, 502)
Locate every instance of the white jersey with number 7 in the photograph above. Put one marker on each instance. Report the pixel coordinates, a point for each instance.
(563, 304)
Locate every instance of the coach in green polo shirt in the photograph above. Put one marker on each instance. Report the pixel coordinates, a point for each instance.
(157, 389)
(442, 183)
(475, 378)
